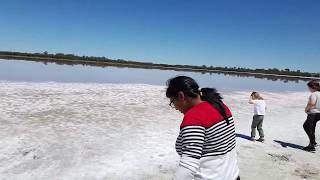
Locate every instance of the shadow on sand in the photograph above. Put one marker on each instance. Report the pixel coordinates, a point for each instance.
(243, 136)
(285, 145)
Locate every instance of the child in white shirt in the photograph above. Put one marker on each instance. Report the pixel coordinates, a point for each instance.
(259, 110)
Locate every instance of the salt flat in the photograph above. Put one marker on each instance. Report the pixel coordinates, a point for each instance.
(127, 131)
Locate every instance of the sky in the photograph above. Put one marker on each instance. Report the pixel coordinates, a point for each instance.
(240, 33)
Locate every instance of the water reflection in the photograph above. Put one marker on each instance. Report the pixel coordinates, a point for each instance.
(17, 70)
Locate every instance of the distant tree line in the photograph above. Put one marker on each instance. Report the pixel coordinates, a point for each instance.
(61, 58)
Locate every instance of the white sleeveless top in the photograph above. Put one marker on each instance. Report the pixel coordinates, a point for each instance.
(315, 99)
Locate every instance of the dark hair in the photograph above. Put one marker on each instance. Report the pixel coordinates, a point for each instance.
(256, 95)
(191, 89)
(253, 93)
(314, 84)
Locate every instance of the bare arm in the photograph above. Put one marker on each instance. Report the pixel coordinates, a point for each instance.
(311, 103)
(251, 100)
(309, 106)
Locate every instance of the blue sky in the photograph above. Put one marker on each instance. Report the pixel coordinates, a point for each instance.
(241, 33)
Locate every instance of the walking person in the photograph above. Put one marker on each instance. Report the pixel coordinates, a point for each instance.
(313, 114)
(206, 142)
(259, 111)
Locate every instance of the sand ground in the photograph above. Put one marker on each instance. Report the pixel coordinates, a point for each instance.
(121, 131)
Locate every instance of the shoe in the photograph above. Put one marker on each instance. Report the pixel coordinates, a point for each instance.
(309, 149)
(252, 139)
(313, 145)
(260, 140)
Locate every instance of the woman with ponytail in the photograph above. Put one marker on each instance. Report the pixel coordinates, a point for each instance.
(313, 111)
(206, 142)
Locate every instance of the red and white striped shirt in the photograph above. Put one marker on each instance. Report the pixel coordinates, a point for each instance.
(206, 144)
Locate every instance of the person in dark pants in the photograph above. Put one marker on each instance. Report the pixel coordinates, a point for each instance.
(313, 111)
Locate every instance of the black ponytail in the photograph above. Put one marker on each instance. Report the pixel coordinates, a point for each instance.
(214, 98)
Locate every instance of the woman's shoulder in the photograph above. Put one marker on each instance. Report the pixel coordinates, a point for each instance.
(197, 110)
(191, 119)
(198, 114)
(316, 94)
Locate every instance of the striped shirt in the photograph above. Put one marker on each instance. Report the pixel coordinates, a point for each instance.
(205, 136)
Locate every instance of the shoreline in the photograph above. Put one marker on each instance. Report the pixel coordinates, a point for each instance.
(63, 61)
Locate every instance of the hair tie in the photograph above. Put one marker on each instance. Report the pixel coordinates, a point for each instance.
(200, 91)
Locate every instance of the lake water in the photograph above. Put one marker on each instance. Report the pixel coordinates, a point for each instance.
(17, 70)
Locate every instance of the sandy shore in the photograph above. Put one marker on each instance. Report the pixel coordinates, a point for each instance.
(112, 131)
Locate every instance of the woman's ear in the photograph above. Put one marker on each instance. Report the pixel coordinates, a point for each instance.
(181, 95)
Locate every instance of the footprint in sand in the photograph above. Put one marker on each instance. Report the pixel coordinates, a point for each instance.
(307, 172)
(280, 157)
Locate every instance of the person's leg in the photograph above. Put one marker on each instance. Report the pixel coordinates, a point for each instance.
(254, 126)
(316, 119)
(307, 126)
(260, 130)
(312, 127)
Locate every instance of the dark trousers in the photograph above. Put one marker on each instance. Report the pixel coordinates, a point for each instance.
(309, 127)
